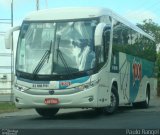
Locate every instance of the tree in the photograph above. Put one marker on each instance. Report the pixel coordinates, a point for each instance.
(158, 72)
(151, 28)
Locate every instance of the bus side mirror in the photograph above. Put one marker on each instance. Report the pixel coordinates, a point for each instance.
(98, 38)
(9, 37)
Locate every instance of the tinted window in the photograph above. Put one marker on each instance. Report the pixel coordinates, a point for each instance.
(131, 42)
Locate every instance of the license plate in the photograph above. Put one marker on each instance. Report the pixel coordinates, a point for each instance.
(51, 101)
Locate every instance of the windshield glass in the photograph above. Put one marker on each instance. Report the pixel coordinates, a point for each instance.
(56, 48)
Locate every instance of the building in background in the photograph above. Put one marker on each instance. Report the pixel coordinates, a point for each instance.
(5, 83)
(6, 56)
(5, 73)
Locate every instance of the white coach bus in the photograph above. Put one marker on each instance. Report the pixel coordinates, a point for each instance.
(81, 58)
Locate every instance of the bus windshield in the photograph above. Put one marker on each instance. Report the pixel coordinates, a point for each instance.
(48, 48)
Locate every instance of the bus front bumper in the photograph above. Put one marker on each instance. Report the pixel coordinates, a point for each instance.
(83, 99)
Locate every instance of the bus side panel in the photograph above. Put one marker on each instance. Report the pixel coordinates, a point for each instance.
(132, 75)
(104, 88)
(140, 73)
(120, 71)
(124, 78)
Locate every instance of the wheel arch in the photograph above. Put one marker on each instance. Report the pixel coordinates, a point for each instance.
(148, 88)
(115, 85)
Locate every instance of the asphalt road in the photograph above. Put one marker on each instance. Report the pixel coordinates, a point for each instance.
(125, 118)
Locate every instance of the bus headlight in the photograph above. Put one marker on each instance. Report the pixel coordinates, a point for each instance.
(21, 88)
(87, 85)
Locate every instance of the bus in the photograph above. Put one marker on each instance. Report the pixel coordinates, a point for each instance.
(83, 57)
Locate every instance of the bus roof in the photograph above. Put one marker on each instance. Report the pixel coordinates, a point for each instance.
(71, 13)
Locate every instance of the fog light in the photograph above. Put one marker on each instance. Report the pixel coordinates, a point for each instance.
(90, 99)
(17, 100)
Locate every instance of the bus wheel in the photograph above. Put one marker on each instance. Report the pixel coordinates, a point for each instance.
(114, 102)
(47, 112)
(143, 104)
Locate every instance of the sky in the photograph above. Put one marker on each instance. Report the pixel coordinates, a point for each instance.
(134, 10)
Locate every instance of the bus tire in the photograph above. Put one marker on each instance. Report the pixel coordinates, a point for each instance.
(114, 102)
(47, 112)
(143, 104)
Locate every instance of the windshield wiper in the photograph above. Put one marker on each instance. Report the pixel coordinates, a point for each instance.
(59, 53)
(45, 57)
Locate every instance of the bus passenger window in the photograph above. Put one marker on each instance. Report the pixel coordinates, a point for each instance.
(106, 40)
